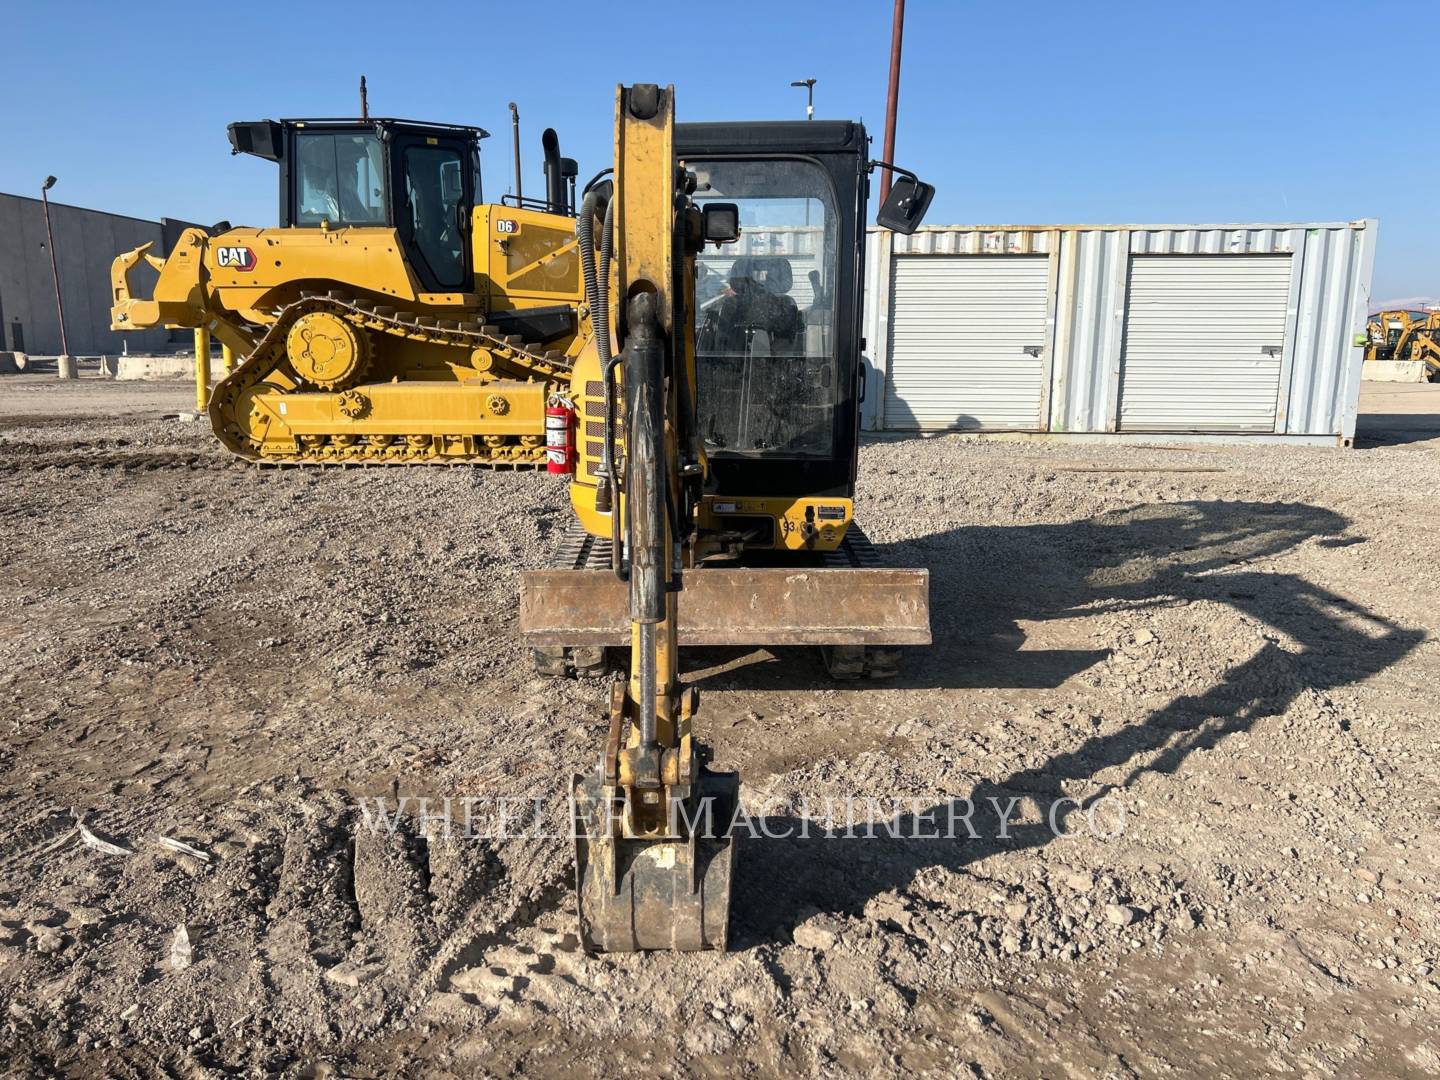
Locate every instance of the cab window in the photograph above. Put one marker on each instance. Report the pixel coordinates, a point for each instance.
(765, 312)
(434, 193)
(340, 179)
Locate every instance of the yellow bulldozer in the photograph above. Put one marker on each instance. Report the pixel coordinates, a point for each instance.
(393, 316)
(701, 385)
(1405, 335)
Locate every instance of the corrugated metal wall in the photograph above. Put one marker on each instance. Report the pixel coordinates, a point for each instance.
(1319, 365)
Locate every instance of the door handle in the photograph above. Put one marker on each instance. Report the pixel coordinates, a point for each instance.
(1032, 350)
(1270, 350)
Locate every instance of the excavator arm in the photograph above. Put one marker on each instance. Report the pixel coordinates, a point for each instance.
(653, 846)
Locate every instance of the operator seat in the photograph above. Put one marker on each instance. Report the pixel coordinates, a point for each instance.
(758, 302)
(750, 349)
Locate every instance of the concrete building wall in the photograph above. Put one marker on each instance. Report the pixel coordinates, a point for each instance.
(85, 243)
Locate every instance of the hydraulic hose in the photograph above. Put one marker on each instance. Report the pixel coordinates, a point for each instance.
(585, 239)
(609, 364)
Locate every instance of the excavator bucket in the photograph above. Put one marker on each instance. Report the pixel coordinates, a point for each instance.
(637, 894)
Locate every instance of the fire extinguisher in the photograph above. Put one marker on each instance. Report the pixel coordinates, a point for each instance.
(559, 435)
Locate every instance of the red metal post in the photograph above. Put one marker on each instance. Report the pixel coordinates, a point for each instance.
(897, 32)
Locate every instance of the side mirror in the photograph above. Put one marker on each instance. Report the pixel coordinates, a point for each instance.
(721, 223)
(905, 208)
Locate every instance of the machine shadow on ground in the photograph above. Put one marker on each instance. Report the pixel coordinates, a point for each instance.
(1132, 559)
(1376, 430)
(985, 580)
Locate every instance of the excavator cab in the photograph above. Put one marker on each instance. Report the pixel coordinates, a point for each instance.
(420, 179)
(777, 318)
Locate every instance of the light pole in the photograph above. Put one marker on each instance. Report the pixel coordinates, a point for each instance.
(809, 85)
(55, 273)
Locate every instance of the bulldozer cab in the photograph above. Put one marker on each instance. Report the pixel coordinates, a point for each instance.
(777, 314)
(422, 180)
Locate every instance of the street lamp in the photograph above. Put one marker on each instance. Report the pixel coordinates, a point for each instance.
(809, 85)
(54, 267)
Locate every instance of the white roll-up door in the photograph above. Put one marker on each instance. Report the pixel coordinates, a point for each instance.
(967, 341)
(1204, 337)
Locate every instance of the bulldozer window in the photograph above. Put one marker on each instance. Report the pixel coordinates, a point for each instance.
(340, 178)
(764, 320)
(434, 189)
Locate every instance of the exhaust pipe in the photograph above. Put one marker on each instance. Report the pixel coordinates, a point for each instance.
(554, 180)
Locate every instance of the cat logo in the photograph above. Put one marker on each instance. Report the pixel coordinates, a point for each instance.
(235, 258)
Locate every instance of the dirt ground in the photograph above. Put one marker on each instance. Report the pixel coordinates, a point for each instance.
(1214, 667)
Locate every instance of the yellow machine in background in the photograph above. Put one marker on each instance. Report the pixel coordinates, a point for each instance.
(1406, 335)
(393, 316)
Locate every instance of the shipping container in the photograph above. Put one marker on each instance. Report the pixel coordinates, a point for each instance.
(1148, 332)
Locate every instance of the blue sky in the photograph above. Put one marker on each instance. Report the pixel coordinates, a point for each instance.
(1036, 112)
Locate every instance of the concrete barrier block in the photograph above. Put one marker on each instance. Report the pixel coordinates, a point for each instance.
(12, 363)
(1407, 371)
(179, 366)
(66, 367)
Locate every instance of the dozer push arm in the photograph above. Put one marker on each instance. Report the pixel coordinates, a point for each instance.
(181, 297)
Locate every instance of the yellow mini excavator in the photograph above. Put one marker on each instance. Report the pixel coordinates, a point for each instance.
(715, 471)
(393, 316)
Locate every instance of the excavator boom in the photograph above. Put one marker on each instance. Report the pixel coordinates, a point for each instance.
(653, 847)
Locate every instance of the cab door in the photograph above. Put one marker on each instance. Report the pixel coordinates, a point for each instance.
(434, 194)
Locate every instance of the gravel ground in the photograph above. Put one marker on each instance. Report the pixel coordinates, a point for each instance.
(1213, 667)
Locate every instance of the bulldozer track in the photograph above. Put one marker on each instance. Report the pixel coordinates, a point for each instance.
(513, 359)
(147, 461)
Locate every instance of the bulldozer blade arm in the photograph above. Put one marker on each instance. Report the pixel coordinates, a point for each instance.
(748, 606)
(635, 895)
(179, 297)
